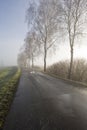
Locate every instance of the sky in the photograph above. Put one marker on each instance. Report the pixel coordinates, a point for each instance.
(62, 52)
(13, 29)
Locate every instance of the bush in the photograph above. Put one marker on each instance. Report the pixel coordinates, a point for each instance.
(60, 69)
(79, 70)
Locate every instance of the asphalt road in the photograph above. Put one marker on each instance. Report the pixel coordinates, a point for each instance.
(46, 103)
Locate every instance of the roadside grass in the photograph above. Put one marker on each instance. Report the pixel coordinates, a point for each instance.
(4, 73)
(6, 96)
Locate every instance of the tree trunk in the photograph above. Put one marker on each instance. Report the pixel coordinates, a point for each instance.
(45, 57)
(71, 64)
(32, 61)
(29, 63)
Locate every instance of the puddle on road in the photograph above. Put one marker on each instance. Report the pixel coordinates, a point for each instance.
(64, 103)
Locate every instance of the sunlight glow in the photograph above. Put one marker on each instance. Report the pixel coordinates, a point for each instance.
(81, 52)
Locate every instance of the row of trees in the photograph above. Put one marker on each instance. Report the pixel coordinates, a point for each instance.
(50, 19)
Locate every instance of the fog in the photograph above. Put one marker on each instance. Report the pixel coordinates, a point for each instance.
(13, 29)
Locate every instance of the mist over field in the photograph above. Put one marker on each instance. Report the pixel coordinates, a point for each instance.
(12, 30)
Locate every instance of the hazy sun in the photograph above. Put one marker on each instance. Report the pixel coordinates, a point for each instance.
(81, 52)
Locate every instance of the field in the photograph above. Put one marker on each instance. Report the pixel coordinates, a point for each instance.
(8, 83)
(6, 74)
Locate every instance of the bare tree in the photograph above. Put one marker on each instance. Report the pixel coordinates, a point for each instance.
(22, 59)
(45, 23)
(31, 46)
(73, 18)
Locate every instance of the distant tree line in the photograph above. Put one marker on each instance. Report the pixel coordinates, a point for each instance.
(49, 19)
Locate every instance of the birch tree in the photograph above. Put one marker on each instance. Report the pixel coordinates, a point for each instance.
(45, 23)
(73, 20)
(22, 59)
(31, 47)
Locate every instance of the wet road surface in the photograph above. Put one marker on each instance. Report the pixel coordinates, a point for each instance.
(46, 103)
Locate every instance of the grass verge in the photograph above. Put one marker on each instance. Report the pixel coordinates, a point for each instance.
(4, 73)
(6, 96)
